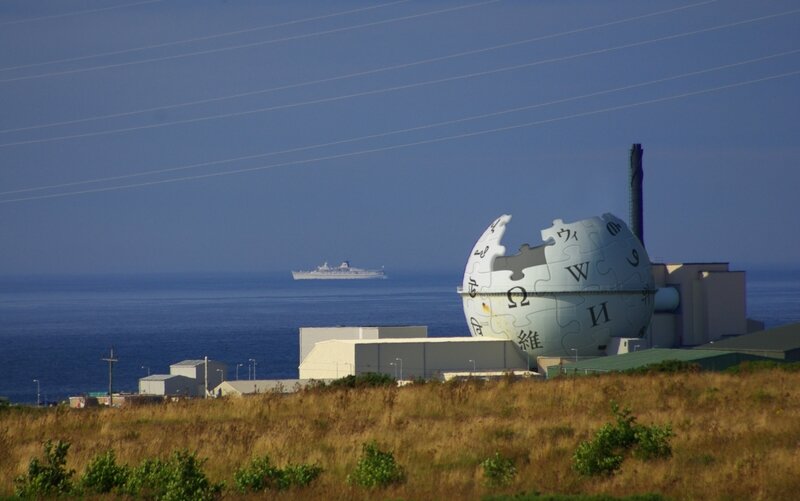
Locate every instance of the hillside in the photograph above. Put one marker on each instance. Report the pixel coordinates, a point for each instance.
(735, 436)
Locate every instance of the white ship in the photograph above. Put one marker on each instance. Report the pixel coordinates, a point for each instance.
(342, 272)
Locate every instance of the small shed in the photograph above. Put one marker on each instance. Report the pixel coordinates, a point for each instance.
(170, 384)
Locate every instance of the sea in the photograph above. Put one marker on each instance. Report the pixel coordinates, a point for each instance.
(57, 330)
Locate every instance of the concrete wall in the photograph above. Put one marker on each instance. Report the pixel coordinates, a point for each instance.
(309, 336)
(712, 304)
(725, 304)
(329, 360)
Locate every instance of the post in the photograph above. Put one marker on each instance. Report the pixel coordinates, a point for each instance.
(636, 192)
(110, 361)
(473, 365)
(38, 392)
(237, 370)
(401, 368)
(205, 360)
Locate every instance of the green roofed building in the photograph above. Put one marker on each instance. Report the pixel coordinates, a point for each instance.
(782, 343)
(714, 360)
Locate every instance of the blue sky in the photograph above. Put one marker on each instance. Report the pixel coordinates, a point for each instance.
(193, 135)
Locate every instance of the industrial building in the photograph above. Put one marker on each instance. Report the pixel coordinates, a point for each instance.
(309, 336)
(411, 358)
(715, 360)
(702, 302)
(780, 343)
(250, 387)
(190, 378)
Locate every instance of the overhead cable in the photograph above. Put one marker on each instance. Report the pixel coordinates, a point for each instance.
(251, 44)
(391, 89)
(405, 130)
(356, 74)
(410, 144)
(200, 39)
(76, 13)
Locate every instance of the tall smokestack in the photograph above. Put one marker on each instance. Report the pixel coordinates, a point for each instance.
(637, 202)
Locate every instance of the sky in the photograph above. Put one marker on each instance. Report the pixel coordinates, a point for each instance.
(249, 136)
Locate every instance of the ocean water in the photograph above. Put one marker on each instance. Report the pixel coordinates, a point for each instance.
(57, 329)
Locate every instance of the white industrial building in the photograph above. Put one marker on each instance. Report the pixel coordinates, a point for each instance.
(168, 384)
(707, 303)
(411, 358)
(309, 336)
(187, 378)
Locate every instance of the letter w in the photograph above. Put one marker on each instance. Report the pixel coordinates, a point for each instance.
(579, 270)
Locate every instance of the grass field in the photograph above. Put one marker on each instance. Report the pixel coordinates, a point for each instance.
(735, 436)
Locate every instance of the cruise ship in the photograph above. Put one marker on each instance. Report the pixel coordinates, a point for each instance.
(342, 272)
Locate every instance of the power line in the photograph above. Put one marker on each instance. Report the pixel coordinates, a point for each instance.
(200, 39)
(252, 44)
(405, 130)
(415, 143)
(76, 13)
(394, 88)
(358, 74)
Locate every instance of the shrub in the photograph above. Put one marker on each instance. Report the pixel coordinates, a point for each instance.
(498, 471)
(103, 474)
(260, 475)
(366, 380)
(605, 452)
(49, 477)
(376, 468)
(668, 366)
(178, 478)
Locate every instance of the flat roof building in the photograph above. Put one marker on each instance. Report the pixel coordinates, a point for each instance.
(782, 343)
(411, 358)
(716, 360)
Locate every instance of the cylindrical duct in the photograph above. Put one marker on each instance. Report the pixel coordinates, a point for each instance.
(636, 199)
(667, 299)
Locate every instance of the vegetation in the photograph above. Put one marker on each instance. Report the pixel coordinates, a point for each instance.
(260, 475)
(606, 451)
(498, 471)
(366, 380)
(376, 468)
(49, 477)
(735, 436)
(666, 366)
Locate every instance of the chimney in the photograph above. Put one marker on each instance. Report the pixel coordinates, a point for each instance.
(636, 201)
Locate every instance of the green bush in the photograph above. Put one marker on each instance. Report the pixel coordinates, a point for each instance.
(103, 474)
(668, 366)
(604, 454)
(498, 471)
(376, 468)
(49, 477)
(178, 478)
(261, 475)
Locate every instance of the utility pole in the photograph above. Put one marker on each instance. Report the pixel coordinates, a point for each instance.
(111, 360)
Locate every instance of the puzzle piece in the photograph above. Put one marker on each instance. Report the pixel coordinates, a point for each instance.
(526, 257)
(488, 247)
(585, 284)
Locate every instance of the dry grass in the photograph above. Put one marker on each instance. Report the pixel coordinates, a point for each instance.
(736, 436)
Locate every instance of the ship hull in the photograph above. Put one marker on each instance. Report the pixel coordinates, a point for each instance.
(300, 275)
